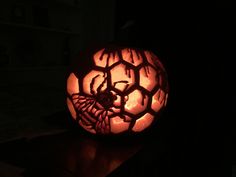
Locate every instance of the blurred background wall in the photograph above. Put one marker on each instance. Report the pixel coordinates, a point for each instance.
(38, 40)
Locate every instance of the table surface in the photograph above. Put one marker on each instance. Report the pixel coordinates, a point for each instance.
(167, 150)
(69, 153)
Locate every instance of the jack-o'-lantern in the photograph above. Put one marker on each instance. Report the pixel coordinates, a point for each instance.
(123, 91)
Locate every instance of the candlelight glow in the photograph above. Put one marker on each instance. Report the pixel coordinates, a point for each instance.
(118, 125)
(119, 93)
(103, 60)
(158, 100)
(122, 77)
(72, 87)
(95, 77)
(132, 57)
(72, 84)
(148, 78)
(136, 103)
(143, 122)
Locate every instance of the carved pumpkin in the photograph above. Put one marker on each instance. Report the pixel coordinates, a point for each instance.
(123, 91)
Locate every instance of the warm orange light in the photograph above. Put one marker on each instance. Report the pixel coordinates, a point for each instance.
(137, 102)
(158, 100)
(95, 77)
(120, 93)
(72, 87)
(132, 56)
(103, 60)
(72, 84)
(143, 122)
(118, 125)
(122, 77)
(148, 78)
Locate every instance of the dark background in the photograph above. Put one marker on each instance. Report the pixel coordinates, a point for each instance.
(192, 39)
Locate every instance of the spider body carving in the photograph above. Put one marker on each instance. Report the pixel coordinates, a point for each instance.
(122, 92)
(94, 110)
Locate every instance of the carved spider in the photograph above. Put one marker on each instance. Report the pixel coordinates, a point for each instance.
(94, 110)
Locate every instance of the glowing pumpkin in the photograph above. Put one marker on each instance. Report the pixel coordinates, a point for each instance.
(122, 92)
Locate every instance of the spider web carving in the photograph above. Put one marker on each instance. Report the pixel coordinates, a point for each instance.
(96, 108)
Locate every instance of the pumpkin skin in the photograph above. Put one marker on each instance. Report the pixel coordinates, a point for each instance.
(122, 92)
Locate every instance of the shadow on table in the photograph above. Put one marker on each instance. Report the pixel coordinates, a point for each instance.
(69, 153)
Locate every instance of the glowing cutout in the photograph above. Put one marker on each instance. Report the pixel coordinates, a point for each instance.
(122, 78)
(158, 100)
(136, 103)
(95, 79)
(147, 78)
(72, 84)
(132, 56)
(104, 60)
(117, 101)
(143, 122)
(118, 125)
(102, 102)
(72, 87)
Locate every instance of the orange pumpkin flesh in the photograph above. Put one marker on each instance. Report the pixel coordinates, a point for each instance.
(123, 92)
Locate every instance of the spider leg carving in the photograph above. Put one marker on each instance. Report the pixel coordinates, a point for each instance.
(82, 104)
(125, 82)
(92, 113)
(101, 85)
(102, 125)
(92, 84)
